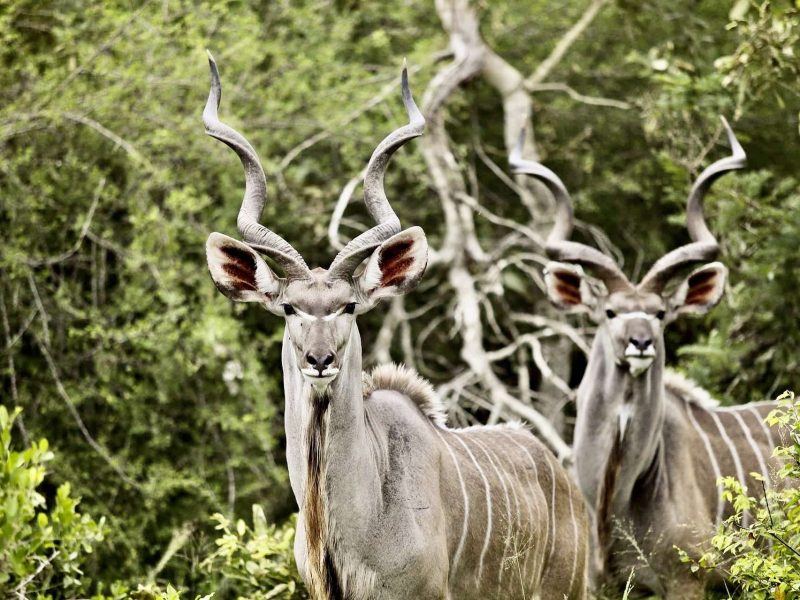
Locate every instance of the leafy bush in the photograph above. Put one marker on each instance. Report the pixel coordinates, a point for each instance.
(763, 558)
(42, 548)
(44, 542)
(258, 563)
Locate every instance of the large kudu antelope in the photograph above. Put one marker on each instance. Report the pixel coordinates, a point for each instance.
(393, 504)
(649, 445)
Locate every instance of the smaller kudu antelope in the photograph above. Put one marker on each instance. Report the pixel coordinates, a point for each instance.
(650, 445)
(393, 504)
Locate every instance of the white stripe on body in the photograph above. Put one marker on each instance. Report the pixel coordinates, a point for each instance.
(756, 450)
(520, 548)
(764, 426)
(575, 530)
(734, 453)
(712, 457)
(552, 512)
(465, 526)
(487, 539)
(507, 537)
(537, 572)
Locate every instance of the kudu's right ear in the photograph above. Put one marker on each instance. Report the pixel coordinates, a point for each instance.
(568, 289)
(239, 272)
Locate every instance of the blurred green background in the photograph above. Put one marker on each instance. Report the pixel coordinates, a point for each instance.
(162, 400)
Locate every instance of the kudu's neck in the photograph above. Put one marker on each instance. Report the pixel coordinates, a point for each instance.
(330, 427)
(619, 424)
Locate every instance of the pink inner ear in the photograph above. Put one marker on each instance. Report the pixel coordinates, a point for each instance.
(240, 266)
(701, 287)
(568, 287)
(394, 261)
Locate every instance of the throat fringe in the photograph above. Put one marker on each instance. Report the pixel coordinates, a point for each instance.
(322, 573)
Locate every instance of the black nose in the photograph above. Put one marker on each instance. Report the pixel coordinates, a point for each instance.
(640, 342)
(319, 363)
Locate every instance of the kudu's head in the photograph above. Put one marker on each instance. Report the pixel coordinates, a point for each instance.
(634, 315)
(319, 305)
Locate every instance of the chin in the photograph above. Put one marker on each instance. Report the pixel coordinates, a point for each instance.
(319, 381)
(638, 365)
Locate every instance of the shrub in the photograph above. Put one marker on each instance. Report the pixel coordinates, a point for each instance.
(43, 543)
(763, 558)
(257, 563)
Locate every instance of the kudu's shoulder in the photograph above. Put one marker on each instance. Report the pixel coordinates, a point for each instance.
(405, 381)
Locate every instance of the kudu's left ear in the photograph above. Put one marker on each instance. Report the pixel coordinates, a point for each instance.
(396, 266)
(700, 291)
(239, 272)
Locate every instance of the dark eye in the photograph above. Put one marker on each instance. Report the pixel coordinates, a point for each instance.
(350, 307)
(660, 315)
(288, 309)
(610, 314)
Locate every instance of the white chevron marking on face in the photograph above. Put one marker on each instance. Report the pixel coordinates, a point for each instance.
(309, 317)
(635, 315)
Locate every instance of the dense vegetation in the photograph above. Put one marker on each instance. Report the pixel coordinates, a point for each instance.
(761, 555)
(161, 400)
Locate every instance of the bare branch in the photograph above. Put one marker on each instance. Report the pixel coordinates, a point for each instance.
(578, 97)
(546, 67)
(43, 564)
(101, 451)
(52, 260)
(105, 132)
(383, 341)
(387, 90)
(557, 326)
(338, 211)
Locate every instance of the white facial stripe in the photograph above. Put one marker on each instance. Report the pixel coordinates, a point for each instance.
(636, 315)
(304, 315)
(307, 317)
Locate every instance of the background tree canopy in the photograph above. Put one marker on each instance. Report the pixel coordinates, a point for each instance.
(162, 400)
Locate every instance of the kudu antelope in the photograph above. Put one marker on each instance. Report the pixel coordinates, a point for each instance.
(649, 446)
(393, 504)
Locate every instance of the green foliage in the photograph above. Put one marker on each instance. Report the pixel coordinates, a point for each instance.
(752, 327)
(44, 542)
(763, 557)
(163, 398)
(256, 563)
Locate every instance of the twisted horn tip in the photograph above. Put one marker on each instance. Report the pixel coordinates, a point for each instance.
(415, 117)
(736, 147)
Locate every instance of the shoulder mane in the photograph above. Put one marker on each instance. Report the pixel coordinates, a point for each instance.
(682, 386)
(400, 378)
